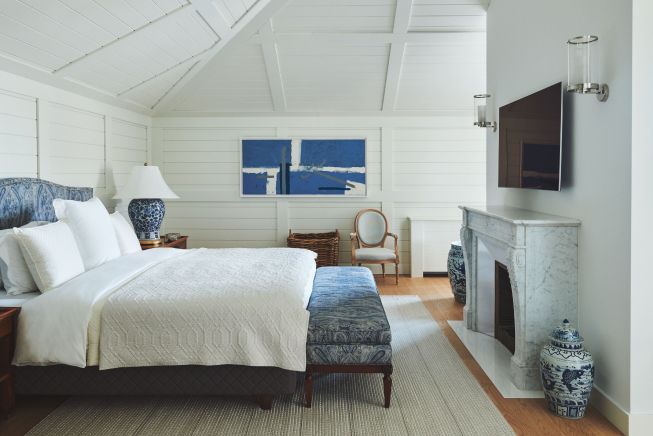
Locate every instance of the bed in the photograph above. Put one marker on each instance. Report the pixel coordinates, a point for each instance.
(147, 324)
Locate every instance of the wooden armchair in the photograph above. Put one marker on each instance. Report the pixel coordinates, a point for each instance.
(368, 241)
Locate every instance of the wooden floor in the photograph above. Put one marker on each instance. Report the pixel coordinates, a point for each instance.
(527, 416)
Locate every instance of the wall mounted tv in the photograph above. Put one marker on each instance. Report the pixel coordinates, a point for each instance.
(530, 141)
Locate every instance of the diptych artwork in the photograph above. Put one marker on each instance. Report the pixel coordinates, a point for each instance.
(271, 167)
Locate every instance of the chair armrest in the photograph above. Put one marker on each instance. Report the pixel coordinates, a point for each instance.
(353, 237)
(396, 238)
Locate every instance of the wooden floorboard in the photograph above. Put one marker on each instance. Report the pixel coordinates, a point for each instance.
(526, 416)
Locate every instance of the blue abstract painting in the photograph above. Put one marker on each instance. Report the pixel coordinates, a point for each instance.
(273, 167)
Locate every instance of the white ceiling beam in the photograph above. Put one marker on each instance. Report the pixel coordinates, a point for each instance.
(273, 67)
(208, 11)
(28, 71)
(396, 58)
(247, 26)
(76, 61)
(444, 37)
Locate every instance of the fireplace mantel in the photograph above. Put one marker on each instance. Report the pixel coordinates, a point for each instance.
(541, 253)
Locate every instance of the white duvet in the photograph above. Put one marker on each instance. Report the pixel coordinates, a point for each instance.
(175, 307)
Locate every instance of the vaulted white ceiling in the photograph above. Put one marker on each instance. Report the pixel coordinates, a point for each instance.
(255, 56)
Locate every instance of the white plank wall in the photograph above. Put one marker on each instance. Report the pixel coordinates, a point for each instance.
(77, 149)
(62, 137)
(18, 141)
(422, 167)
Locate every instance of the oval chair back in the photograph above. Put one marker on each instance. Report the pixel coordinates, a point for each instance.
(372, 228)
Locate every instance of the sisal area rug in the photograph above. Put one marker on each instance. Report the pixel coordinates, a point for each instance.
(433, 394)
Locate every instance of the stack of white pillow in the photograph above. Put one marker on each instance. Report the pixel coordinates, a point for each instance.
(41, 256)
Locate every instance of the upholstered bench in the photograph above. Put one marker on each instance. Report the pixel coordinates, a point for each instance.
(348, 330)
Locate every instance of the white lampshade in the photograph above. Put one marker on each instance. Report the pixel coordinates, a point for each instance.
(145, 182)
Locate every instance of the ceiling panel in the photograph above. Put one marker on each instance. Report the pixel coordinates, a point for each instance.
(149, 93)
(447, 15)
(51, 33)
(441, 77)
(344, 16)
(143, 55)
(333, 76)
(237, 83)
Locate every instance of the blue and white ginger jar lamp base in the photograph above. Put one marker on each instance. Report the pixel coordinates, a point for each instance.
(567, 373)
(147, 215)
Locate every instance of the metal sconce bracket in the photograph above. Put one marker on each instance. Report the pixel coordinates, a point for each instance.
(602, 92)
(487, 124)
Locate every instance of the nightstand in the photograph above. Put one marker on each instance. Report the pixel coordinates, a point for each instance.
(179, 243)
(8, 322)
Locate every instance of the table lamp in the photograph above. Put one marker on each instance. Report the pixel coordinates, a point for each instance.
(146, 188)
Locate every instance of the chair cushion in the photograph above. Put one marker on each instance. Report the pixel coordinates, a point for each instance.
(374, 254)
(346, 309)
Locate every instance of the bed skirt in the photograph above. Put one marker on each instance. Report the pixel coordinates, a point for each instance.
(158, 380)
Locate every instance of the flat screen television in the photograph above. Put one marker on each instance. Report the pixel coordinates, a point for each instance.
(530, 141)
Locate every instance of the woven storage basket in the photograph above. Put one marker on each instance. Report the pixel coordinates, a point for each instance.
(324, 244)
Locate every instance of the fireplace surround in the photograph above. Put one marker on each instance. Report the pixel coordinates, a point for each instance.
(540, 254)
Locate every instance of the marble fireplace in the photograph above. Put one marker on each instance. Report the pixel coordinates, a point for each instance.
(540, 254)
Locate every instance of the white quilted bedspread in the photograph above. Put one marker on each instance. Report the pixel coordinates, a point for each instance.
(212, 307)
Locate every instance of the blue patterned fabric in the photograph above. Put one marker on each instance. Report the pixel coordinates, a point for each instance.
(348, 324)
(349, 354)
(23, 200)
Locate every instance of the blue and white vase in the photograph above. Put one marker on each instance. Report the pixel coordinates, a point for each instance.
(147, 215)
(567, 372)
(456, 272)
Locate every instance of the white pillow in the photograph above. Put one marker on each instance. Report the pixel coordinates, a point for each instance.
(16, 277)
(92, 228)
(127, 240)
(51, 254)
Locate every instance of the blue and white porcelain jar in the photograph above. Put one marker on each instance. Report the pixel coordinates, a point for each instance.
(567, 372)
(456, 272)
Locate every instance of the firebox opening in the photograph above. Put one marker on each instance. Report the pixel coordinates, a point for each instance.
(504, 311)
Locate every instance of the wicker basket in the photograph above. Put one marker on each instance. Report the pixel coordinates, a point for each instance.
(326, 245)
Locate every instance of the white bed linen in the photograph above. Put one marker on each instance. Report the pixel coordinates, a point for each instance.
(262, 292)
(53, 327)
(93, 351)
(7, 300)
(234, 306)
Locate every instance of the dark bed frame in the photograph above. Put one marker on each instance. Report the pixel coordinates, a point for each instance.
(26, 199)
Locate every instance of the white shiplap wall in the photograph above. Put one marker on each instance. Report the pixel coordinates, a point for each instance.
(68, 139)
(18, 141)
(422, 167)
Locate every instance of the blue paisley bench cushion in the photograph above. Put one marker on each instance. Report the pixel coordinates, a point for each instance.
(348, 324)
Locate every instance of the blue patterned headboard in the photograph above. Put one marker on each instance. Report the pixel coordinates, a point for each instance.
(25, 199)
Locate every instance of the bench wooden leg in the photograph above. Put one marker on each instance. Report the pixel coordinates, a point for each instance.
(383, 269)
(308, 388)
(387, 388)
(396, 273)
(264, 402)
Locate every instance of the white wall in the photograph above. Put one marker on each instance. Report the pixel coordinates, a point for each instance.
(422, 167)
(641, 297)
(527, 52)
(68, 139)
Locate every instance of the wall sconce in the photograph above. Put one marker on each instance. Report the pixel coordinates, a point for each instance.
(483, 112)
(580, 62)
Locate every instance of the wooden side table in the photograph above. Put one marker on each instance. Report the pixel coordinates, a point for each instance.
(8, 323)
(179, 243)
